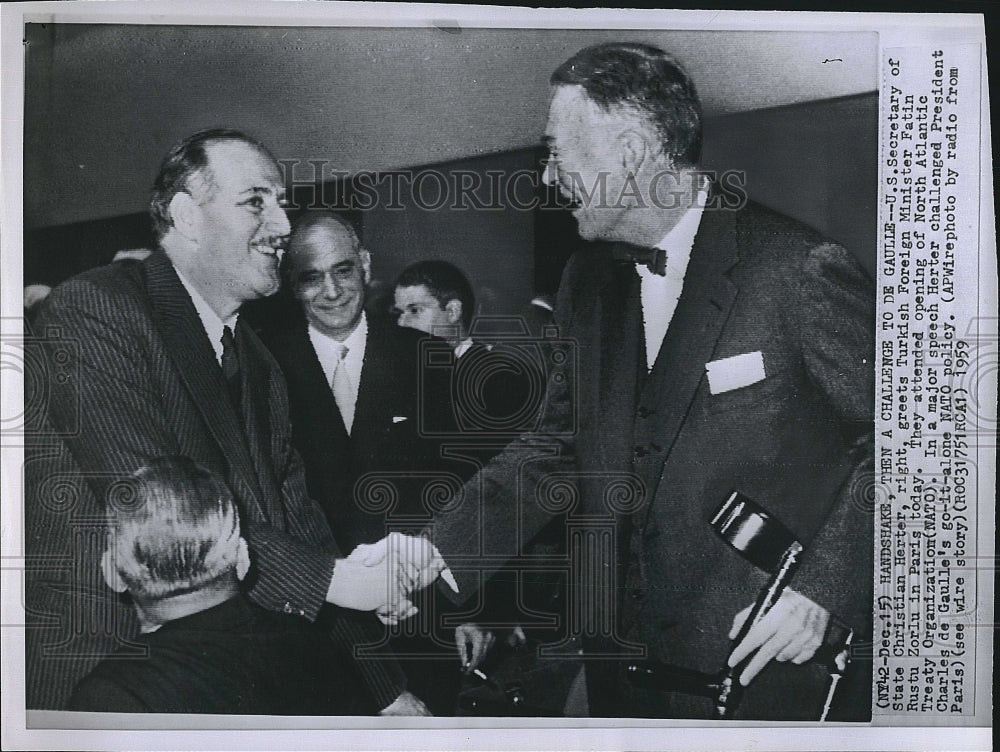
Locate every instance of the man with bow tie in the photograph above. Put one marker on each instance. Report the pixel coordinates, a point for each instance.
(720, 347)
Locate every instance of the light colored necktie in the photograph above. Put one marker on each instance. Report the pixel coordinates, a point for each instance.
(343, 392)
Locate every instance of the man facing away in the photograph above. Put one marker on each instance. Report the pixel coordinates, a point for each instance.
(720, 347)
(159, 364)
(175, 547)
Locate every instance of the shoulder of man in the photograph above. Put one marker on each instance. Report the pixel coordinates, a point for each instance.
(776, 241)
(120, 279)
(404, 343)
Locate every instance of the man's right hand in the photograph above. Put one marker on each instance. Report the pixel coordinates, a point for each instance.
(381, 576)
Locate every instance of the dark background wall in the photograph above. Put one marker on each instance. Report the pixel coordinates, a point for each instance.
(815, 161)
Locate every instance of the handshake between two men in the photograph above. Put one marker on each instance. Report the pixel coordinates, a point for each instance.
(381, 576)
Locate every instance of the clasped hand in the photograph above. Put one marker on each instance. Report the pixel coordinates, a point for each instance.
(381, 576)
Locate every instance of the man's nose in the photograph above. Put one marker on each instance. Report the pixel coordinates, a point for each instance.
(277, 221)
(331, 288)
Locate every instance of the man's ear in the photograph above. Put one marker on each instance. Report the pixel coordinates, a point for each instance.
(184, 214)
(454, 310)
(366, 264)
(242, 559)
(633, 149)
(111, 576)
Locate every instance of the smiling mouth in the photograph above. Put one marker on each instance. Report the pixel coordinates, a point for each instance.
(272, 247)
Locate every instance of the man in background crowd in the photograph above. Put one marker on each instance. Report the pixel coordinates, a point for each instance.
(495, 393)
(358, 406)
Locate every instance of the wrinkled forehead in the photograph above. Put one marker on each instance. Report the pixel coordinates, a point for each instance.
(569, 103)
(242, 164)
(322, 246)
(572, 113)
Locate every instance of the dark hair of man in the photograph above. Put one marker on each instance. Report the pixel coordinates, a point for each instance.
(445, 282)
(175, 528)
(185, 161)
(646, 79)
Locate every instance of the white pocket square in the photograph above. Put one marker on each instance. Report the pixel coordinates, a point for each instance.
(735, 373)
(399, 418)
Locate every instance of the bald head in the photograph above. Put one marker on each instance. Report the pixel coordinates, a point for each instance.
(328, 270)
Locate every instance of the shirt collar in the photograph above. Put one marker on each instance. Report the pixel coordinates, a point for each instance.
(328, 352)
(210, 320)
(679, 241)
(463, 347)
(357, 338)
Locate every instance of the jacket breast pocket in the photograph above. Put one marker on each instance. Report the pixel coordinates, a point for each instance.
(769, 393)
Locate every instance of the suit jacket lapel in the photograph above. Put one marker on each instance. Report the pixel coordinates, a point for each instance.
(254, 372)
(189, 349)
(376, 388)
(702, 310)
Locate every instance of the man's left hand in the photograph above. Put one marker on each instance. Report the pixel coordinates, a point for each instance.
(791, 631)
(406, 704)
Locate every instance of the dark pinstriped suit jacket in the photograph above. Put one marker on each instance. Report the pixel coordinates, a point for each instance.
(142, 381)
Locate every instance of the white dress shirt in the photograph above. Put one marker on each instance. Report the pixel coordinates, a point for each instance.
(660, 294)
(328, 352)
(210, 320)
(463, 347)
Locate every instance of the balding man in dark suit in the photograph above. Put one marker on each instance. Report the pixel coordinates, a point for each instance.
(359, 409)
(160, 364)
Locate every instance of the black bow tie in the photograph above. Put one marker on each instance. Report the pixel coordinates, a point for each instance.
(654, 259)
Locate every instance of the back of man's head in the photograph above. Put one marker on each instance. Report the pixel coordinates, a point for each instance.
(445, 282)
(646, 80)
(174, 530)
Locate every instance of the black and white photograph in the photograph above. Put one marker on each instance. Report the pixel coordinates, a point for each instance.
(407, 377)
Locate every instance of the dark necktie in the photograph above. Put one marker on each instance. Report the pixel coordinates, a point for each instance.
(654, 259)
(231, 369)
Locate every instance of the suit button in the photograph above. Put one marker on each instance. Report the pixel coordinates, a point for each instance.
(640, 451)
(288, 608)
(644, 412)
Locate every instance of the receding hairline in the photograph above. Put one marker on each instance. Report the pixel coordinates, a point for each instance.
(313, 225)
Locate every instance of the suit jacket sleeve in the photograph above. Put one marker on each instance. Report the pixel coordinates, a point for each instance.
(498, 511)
(834, 306)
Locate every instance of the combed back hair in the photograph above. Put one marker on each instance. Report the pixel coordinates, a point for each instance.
(175, 528)
(445, 282)
(183, 165)
(302, 227)
(646, 79)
